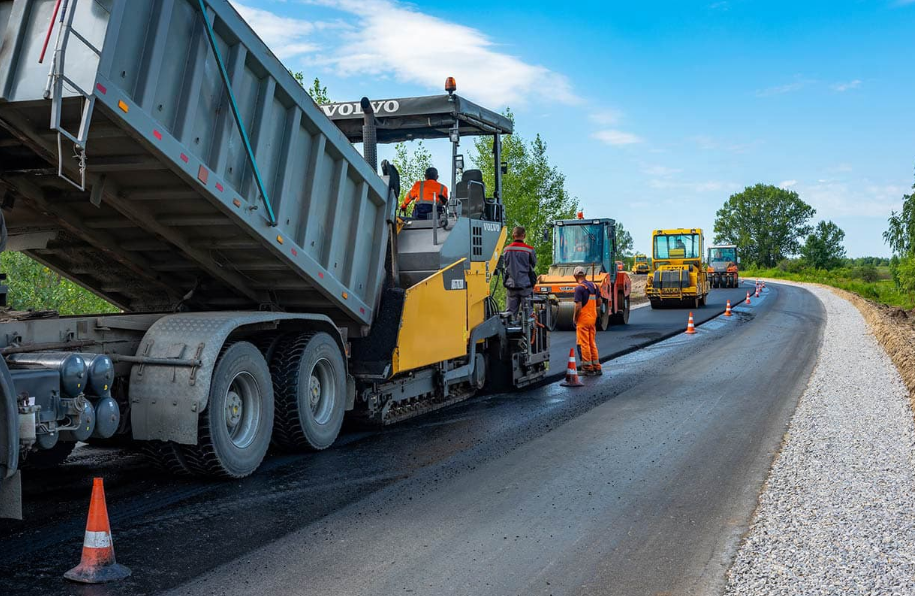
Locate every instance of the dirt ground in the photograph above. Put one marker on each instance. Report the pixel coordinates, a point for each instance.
(638, 289)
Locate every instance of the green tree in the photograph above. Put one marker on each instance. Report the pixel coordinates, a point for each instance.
(32, 286)
(316, 91)
(624, 242)
(533, 190)
(765, 222)
(901, 232)
(823, 249)
(900, 235)
(411, 166)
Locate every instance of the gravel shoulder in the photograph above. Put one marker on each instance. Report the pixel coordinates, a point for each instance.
(837, 513)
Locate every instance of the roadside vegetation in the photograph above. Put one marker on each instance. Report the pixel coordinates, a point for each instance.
(772, 227)
(32, 286)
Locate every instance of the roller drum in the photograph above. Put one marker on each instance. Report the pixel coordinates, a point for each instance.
(565, 316)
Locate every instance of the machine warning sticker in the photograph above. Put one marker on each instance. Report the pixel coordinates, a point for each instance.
(457, 284)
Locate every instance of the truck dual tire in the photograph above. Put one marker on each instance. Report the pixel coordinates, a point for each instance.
(309, 384)
(234, 431)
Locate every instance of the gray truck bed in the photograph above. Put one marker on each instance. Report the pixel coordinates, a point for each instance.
(179, 219)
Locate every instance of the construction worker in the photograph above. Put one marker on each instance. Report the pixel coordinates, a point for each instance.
(519, 262)
(585, 318)
(425, 192)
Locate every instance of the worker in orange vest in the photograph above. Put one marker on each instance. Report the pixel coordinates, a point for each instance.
(425, 192)
(585, 317)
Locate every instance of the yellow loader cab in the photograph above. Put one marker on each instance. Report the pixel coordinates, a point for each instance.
(641, 264)
(679, 277)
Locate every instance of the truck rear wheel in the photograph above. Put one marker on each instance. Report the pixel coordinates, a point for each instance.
(309, 377)
(233, 432)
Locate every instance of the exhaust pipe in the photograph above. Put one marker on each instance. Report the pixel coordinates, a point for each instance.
(369, 136)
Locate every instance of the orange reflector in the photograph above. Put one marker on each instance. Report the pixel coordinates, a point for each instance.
(124, 107)
(236, 202)
(345, 296)
(279, 239)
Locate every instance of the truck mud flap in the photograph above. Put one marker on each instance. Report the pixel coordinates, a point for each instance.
(9, 424)
(11, 497)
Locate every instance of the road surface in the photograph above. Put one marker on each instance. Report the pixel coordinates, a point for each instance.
(646, 326)
(640, 483)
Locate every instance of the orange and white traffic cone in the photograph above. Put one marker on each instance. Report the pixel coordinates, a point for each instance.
(572, 379)
(690, 326)
(748, 298)
(97, 564)
(757, 291)
(727, 310)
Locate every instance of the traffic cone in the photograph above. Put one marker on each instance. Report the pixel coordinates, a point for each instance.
(572, 379)
(757, 291)
(97, 564)
(748, 298)
(690, 326)
(727, 310)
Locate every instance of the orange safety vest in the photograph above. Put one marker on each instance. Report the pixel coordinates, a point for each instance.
(421, 192)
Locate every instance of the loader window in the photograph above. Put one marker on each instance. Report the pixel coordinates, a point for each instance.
(576, 244)
(676, 246)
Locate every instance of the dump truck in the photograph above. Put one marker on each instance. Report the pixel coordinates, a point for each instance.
(679, 277)
(723, 266)
(265, 284)
(641, 264)
(588, 243)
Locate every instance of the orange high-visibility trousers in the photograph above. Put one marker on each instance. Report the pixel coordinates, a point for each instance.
(587, 343)
(586, 334)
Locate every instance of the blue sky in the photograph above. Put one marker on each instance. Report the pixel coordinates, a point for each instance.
(655, 111)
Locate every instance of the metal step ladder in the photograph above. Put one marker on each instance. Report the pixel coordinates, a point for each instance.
(54, 91)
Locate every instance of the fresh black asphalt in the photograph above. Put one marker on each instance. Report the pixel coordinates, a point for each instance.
(642, 482)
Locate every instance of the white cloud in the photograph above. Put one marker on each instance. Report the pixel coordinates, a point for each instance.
(394, 39)
(660, 171)
(864, 198)
(788, 183)
(842, 87)
(696, 187)
(606, 117)
(286, 37)
(798, 84)
(616, 137)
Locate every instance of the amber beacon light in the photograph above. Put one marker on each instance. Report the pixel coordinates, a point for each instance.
(450, 85)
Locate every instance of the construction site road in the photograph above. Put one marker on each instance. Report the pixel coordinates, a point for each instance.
(646, 326)
(641, 482)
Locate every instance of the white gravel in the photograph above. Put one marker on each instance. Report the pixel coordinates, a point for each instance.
(837, 515)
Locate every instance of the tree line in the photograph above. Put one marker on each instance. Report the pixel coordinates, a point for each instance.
(772, 228)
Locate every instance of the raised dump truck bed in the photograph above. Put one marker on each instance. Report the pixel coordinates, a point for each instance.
(171, 214)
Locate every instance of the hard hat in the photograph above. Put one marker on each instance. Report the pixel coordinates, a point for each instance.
(578, 271)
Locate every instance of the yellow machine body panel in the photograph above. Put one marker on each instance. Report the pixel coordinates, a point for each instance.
(434, 325)
(478, 283)
(679, 272)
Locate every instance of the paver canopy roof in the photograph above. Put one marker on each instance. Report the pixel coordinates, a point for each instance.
(409, 118)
